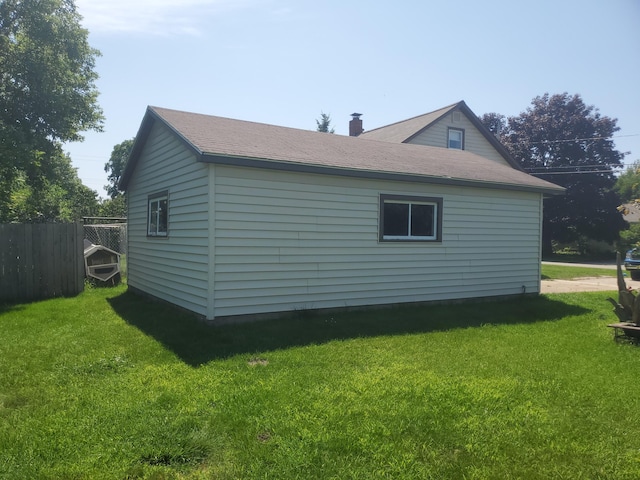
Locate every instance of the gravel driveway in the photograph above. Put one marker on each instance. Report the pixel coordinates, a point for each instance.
(587, 284)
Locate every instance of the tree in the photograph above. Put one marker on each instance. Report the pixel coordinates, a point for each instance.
(494, 122)
(115, 166)
(628, 187)
(324, 123)
(114, 207)
(47, 96)
(562, 140)
(51, 193)
(628, 183)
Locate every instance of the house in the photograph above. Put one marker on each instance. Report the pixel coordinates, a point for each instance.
(230, 218)
(630, 212)
(454, 126)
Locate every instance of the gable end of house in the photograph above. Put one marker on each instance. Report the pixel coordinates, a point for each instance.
(410, 130)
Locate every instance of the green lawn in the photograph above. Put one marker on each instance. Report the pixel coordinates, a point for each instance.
(108, 385)
(563, 272)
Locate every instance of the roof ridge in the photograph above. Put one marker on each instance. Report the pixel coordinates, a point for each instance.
(253, 122)
(444, 109)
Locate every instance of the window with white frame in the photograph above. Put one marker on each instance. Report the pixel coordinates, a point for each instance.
(456, 138)
(409, 218)
(158, 216)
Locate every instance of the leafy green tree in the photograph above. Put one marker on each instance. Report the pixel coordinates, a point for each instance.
(562, 140)
(115, 166)
(628, 187)
(324, 123)
(629, 238)
(628, 183)
(55, 194)
(47, 97)
(114, 207)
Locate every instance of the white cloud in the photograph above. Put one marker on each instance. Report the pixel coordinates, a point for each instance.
(157, 17)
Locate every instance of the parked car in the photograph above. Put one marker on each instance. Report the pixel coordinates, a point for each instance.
(632, 263)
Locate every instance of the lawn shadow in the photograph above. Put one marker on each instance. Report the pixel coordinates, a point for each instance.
(11, 307)
(197, 343)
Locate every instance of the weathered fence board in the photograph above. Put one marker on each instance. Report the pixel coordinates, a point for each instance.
(41, 260)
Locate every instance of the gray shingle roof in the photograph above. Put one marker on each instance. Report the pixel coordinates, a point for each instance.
(224, 140)
(402, 131)
(405, 130)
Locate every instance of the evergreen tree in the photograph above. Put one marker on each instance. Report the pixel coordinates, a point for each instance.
(324, 123)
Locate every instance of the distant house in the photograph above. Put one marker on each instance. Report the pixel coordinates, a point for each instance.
(632, 214)
(231, 219)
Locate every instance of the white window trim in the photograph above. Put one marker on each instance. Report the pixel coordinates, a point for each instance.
(412, 200)
(155, 198)
(461, 132)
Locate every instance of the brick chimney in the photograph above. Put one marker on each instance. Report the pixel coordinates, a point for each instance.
(355, 125)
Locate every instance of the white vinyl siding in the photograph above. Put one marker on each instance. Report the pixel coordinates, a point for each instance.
(437, 135)
(286, 241)
(173, 267)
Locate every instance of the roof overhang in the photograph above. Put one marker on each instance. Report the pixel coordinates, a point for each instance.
(294, 167)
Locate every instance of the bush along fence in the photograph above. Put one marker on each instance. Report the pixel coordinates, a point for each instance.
(40, 260)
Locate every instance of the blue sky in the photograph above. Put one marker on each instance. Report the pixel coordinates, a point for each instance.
(284, 62)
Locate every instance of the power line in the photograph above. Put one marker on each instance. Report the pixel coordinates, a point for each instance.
(580, 172)
(597, 165)
(585, 139)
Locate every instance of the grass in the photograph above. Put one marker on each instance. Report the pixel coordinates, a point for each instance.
(563, 272)
(107, 385)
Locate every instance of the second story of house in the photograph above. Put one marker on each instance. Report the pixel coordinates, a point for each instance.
(454, 127)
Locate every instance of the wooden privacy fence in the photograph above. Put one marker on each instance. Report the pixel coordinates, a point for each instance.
(40, 260)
